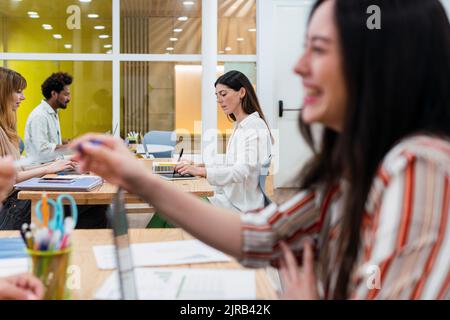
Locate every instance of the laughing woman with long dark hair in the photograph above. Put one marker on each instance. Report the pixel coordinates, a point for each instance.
(375, 197)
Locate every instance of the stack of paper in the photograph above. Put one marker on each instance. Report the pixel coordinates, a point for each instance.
(161, 254)
(186, 284)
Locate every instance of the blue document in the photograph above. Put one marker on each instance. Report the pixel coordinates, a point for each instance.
(12, 248)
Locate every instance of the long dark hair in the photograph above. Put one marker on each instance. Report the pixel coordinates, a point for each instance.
(398, 83)
(250, 103)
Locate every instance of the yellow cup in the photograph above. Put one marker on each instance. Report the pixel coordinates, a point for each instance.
(51, 268)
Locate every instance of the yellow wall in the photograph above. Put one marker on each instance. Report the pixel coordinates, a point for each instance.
(90, 108)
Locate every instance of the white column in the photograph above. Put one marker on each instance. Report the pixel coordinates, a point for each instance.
(116, 68)
(209, 63)
(265, 59)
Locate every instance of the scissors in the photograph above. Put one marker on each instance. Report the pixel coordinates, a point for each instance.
(57, 220)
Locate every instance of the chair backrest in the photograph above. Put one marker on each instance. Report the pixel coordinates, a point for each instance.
(167, 138)
(21, 145)
(265, 169)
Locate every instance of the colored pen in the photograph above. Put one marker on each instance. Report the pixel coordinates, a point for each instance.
(29, 240)
(44, 209)
(179, 158)
(94, 142)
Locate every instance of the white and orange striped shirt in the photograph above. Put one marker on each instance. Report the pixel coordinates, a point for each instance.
(405, 233)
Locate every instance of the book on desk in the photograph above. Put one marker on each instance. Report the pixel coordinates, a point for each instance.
(61, 183)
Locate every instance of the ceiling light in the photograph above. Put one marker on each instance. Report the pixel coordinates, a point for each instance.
(228, 49)
(177, 30)
(85, 1)
(109, 52)
(169, 49)
(240, 39)
(93, 15)
(99, 27)
(107, 46)
(252, 30)
(188, 3)
(184, 18)
(68, 46)
(32, 13)
(57, 36)
(103, 36)
(34, 16)
(47, 26)
(173, 39)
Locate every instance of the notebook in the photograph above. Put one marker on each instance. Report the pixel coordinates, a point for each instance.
(61, 183)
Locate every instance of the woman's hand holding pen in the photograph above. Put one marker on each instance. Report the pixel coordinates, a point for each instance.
(21, 287)
(108, 157)
(298, 283)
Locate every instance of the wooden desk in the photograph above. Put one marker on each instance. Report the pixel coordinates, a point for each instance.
(92, 278)
(105, 193)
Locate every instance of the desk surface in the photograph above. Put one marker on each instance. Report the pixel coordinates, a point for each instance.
(92, 278)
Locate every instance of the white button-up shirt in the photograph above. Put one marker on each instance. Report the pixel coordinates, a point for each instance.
(42, 131)
(236, 180)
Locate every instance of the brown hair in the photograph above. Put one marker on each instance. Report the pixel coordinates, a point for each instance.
(237, 80)
(10, 81)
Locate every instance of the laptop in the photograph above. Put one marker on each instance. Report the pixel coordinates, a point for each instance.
(61, 183)
(118, 220)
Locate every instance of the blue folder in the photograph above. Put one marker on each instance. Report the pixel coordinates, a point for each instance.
(12, 248)
(81, 184)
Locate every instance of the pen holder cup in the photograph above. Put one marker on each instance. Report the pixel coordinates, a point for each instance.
(132, 145)
(51, 268)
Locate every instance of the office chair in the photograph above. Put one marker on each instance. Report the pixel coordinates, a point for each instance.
(167, 138)
(21, 145)
(265, 168)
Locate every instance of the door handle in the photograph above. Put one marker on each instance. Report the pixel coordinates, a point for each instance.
(281, 109)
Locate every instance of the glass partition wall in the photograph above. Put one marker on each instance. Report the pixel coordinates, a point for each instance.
(138, 65)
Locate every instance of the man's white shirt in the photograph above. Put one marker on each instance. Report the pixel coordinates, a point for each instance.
(42, 131)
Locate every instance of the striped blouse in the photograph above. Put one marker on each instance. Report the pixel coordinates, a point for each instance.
(405, 233)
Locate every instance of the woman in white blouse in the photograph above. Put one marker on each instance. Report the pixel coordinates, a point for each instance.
(236, 179)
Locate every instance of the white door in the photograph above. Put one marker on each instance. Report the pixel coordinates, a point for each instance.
(290, 19)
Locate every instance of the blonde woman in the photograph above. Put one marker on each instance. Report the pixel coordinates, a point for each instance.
(15, 212)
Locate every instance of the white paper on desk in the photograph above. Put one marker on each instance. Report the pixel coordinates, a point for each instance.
(10, 267)
(161, 254)
(185, 284)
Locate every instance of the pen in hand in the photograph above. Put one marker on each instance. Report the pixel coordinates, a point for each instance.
(179, 158)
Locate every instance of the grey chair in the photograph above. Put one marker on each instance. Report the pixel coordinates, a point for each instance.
(167, 138)
(264, 172)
